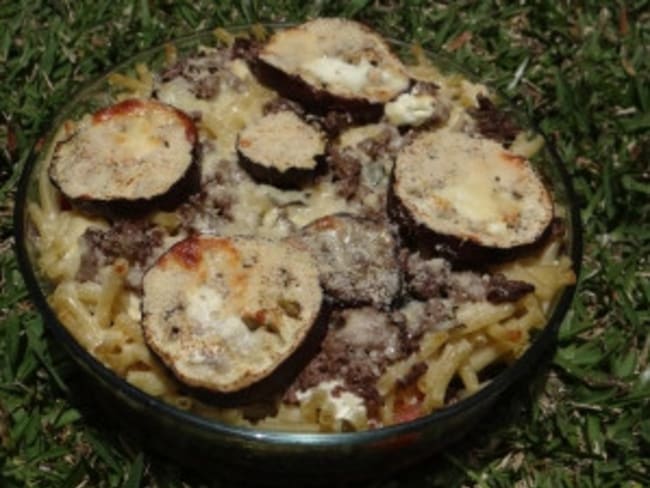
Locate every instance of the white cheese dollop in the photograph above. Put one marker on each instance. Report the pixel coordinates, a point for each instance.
(352, 77)
(408, 109)
(346, 406)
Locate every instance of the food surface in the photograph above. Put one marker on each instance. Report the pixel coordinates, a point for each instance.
(223, 313)
(132, 151)
(333, 64)
(281, 149)
(472, 189)
(287, 257)
(357, 259)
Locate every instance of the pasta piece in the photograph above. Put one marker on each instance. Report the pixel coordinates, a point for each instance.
(112, 286)
(132, 85)
(484, 356)
(144, 75)
(435, 381)
(478, 315)
(431, 343)
(469, 377)
(75, 315)
(147, 381)
(89, 292)
(527, 145)
(48, 195)
(224, 36)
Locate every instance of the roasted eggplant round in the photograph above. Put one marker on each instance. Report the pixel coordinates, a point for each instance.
(468, 193)
(333, 64)
(223, 313)
(128, 158)
(282, 150)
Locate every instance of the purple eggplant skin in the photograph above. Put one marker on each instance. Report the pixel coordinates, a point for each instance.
(276, 383)
(292, 179)
(179, 192)
(315, 100)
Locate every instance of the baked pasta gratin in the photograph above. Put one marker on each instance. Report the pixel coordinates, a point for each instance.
(299, 231)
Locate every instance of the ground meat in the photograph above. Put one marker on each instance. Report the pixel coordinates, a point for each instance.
(204, 72)
(426, 278)
(282, 104)
(190, 210)
(409, 336)
(219, 199)
(206, 88)
(467, 286)
(378, 146)
(360, 167)
(501, 290)
(434, 278)
(417, 370)
(435, 314)
(244, 48)
(425, 88)
(133, 240)
(212, 206)
(356, 259)
(438, 313)
(173, 71)
(89, 265)
(492, 122)
(334, 122)
(359, 345)
(346, 171)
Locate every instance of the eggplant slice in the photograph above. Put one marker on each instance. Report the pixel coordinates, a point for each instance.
(356, 258)
(282, 150)
(224, 312)
(333, 64)
(130, 157)
(468, 193)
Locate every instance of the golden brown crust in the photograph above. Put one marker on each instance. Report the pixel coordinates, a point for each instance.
(468, 197)
(282, 150)
(96, 169)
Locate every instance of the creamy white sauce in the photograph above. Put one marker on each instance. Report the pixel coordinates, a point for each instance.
(408, 109)
(354, 78)
(346, 405)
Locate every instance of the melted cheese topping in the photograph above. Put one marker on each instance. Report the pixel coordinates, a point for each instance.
(339, 75)
(410, 109)
(223, 313)
(472, 199)
(472, 188)
(367, 69)
(272, 142)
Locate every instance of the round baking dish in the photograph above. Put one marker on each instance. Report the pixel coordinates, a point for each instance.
(198, 441)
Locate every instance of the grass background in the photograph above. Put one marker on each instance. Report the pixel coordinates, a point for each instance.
(581, 69)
